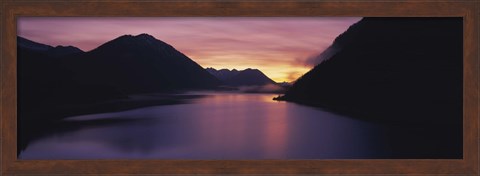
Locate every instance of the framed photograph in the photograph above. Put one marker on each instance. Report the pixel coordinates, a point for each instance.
(256, 87)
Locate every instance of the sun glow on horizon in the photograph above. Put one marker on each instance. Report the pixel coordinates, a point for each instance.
(278, 73)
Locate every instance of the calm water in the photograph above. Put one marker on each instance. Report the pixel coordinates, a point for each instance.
(218, 126)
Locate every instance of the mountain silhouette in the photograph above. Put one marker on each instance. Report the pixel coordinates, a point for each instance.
(247, 77)
(57, 51)
(42, 80)
(390, 69)
(126, 65)
(223, 74)
(141, 63)
(405, 74)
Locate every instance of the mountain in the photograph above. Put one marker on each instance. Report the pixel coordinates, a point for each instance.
(60, 51)
(390, 70)
(223, 74)
(57, 51)
(125, 65)
(400, 74)
(41, 78)
(139, 64)
(247, 77)
(28, 44)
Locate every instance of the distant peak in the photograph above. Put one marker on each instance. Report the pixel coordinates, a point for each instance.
(32, 44)
(233, 70)
(145, 36)
(251, 69)
(126, 36)
(69, 47)
(141, 38)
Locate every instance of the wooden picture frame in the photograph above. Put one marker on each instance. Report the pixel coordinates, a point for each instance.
(11, 10)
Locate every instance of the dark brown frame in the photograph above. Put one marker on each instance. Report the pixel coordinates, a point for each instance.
(469, 10)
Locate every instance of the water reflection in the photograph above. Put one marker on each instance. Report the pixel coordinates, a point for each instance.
(219, 126)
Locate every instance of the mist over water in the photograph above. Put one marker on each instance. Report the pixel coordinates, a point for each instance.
(218, 126)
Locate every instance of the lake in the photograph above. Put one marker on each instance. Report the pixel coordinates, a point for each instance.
(217, 126)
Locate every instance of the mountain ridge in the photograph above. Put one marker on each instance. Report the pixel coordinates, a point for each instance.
(246, 77)
(57, 51)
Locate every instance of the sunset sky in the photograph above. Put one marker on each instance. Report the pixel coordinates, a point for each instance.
(278, 46)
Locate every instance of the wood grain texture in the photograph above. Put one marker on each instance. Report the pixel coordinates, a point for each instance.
(10, 10)
(2, 19)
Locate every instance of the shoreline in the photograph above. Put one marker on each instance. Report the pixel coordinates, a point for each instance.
(45, 121)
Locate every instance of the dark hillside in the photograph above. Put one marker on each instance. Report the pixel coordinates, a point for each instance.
(391, 69)
(403, 73)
